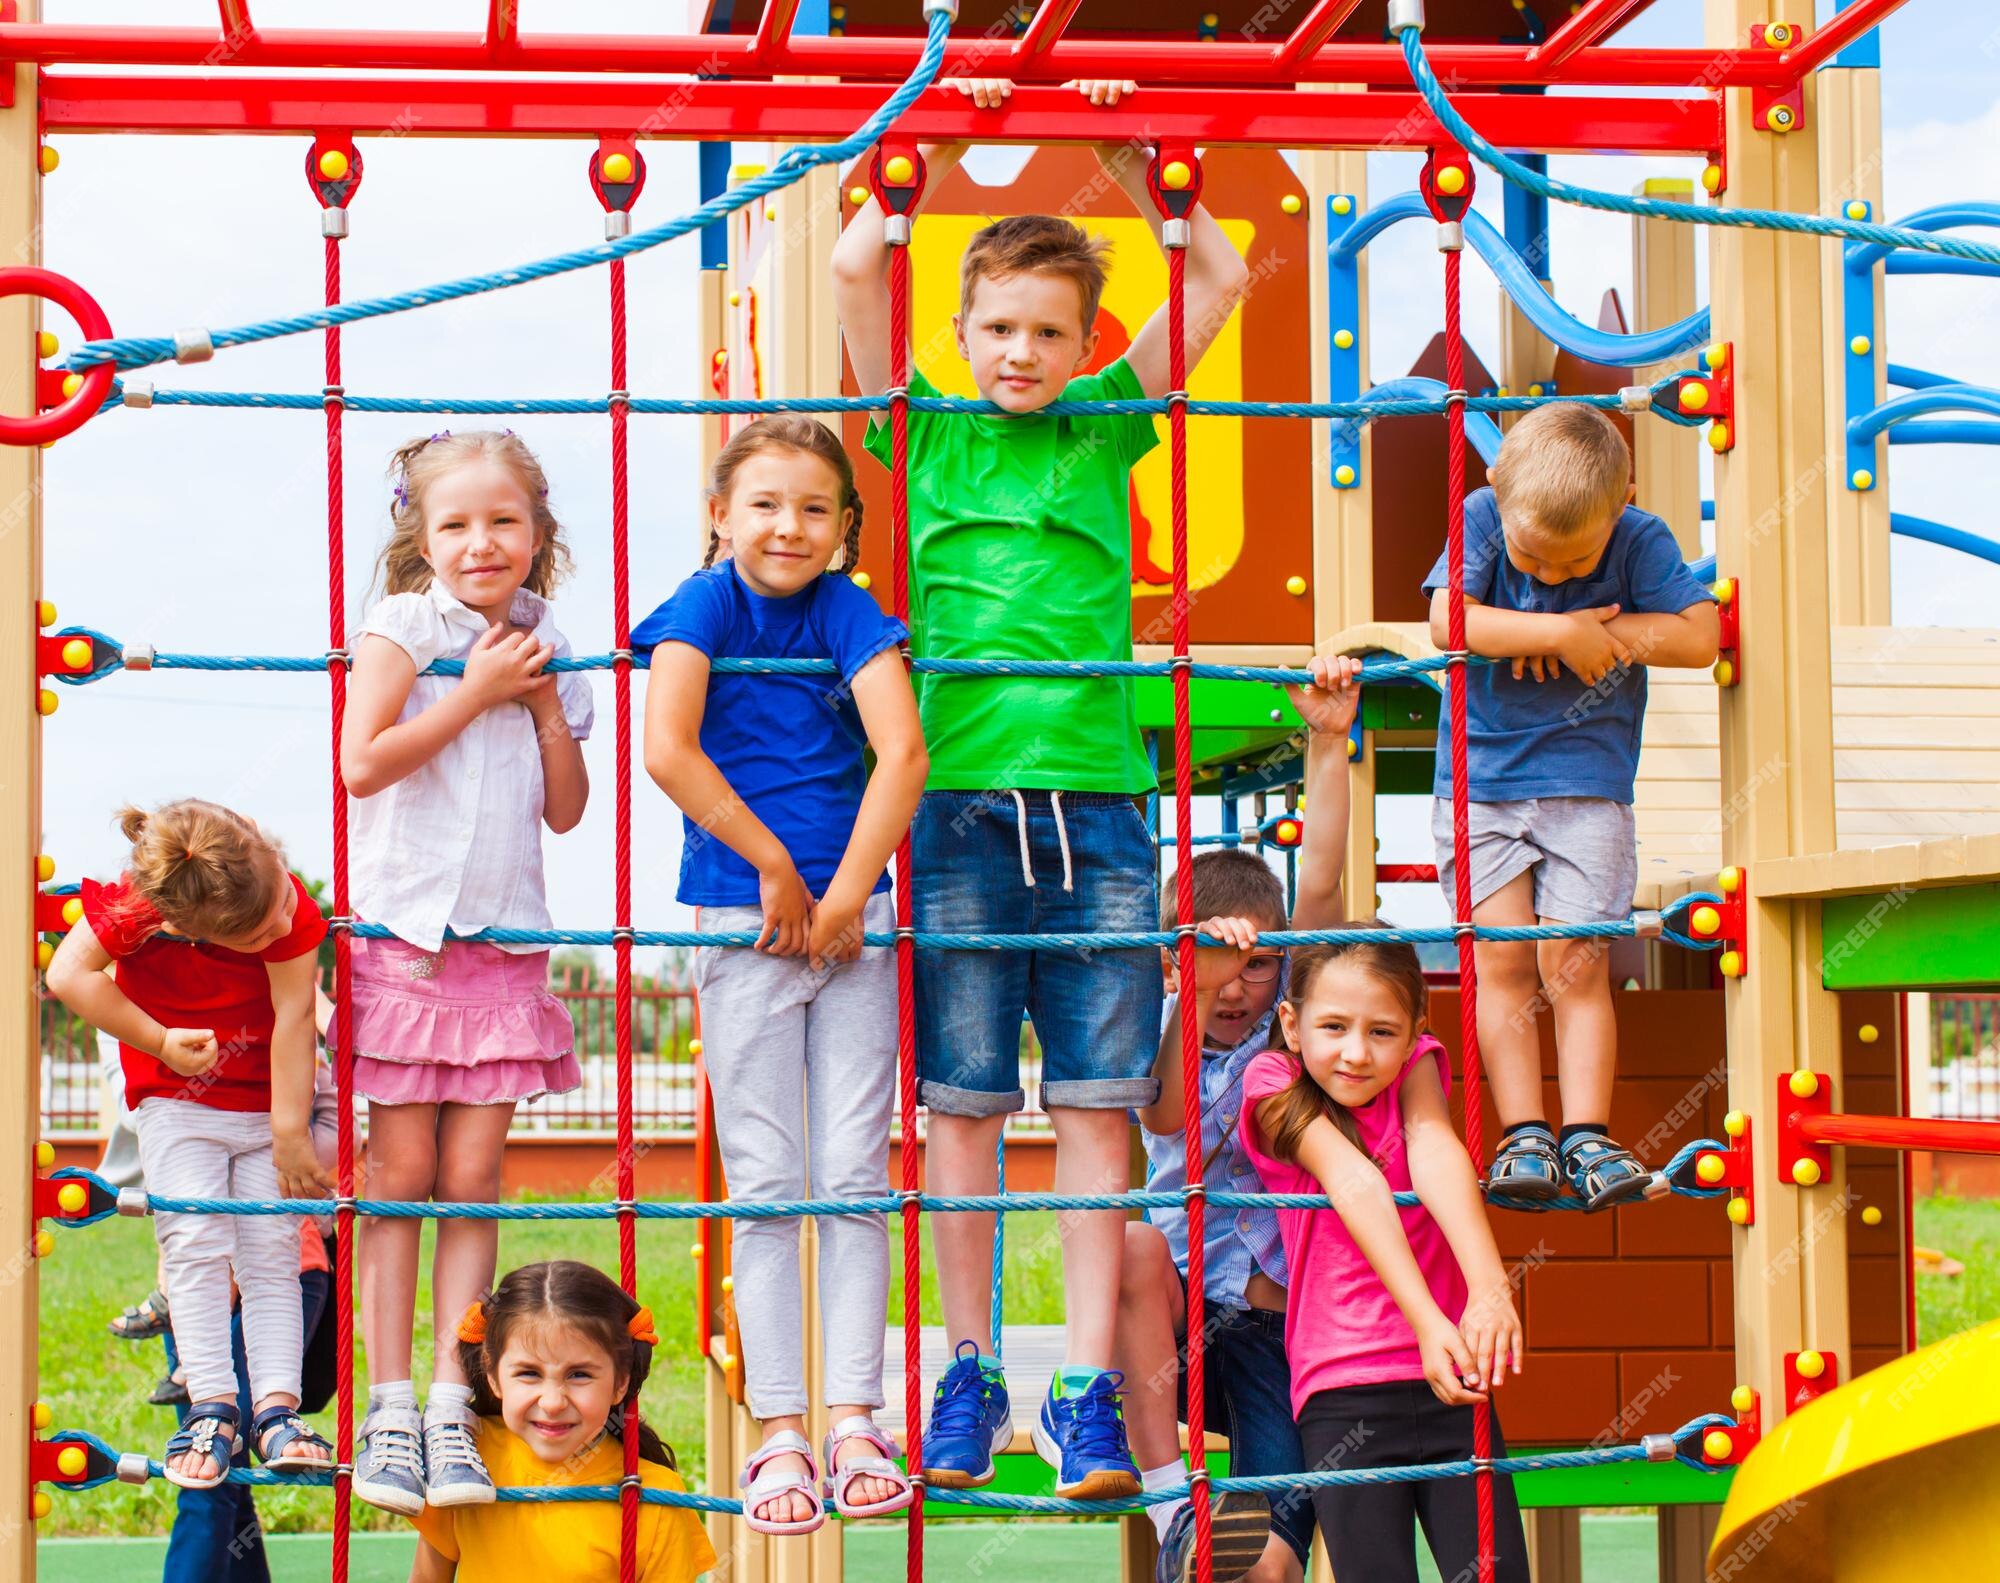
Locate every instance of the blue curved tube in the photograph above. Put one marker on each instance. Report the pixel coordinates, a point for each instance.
(1864, 256)
(1932, 264)
(1934, 398)
(1908, 378)
(1480, 427)
(1900, 524)
(1520, 284)
(1945, 431)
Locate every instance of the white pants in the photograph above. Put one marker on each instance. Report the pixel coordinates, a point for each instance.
(191, 1151)
(803, 1068)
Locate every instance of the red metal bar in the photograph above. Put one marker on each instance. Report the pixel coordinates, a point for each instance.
(1406, 873)
(1903, 1132)
(1045, 27)
(774, 29)
(236, 22)
(826, 112)
(503, 29)
(1150, 60)
(1598, 19)
(1841, 30)
(1310, 36)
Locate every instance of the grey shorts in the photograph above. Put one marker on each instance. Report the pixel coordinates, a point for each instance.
(1583, 851)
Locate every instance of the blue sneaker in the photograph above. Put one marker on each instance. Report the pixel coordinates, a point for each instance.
(1081, 1434)
(1240, 1526)
(971, 1421)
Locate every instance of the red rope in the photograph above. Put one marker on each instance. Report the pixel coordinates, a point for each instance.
(906, 994)
(1468, 974)
(343, 1051)
(621, 681)
(1184, 901)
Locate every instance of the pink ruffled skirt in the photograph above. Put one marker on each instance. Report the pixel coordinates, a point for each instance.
(470, 1025)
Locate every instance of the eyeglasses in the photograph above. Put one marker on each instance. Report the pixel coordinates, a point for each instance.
(1262, 969)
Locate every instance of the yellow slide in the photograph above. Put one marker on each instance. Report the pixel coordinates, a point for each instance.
(1892, 1478)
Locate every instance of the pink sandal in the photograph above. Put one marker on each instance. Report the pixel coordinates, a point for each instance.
(760, 1488)
(883, 1466)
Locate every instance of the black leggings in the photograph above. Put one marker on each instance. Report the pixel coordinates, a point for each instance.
(1370, 1528)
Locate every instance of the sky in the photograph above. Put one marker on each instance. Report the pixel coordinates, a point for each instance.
(204, 530)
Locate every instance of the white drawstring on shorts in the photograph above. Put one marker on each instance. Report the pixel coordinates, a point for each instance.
(1062, 838)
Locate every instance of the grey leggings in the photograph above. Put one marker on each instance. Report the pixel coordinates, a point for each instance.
(802, 1065)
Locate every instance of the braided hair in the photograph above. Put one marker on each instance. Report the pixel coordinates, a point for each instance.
(788, 431)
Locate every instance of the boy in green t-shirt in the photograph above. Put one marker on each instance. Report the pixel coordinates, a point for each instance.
(1020, 547)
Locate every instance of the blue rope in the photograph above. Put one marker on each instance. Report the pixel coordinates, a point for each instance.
(1674, 1173)
(1886, 236)
(1686, 1439)
(142, 352)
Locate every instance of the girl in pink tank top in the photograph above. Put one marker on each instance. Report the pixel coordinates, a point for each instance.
(1397, 1319)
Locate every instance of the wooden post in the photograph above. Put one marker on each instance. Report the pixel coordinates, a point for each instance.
(1850, 153)
(1527, 357)
(712, 309)
(1685, 1534)
(1343, 519)
(20, 817)
(1555, 1543)
(1777, 752)
(1666, 457)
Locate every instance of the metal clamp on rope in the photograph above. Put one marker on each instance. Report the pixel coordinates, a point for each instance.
(333, 395)
(1456, 397)
(1458, 657)
(1180, 662)
(134, 1467)
(617, 224)
(948, 7)
(631, 1481)
(136, 656)
(1647, 925)
(1197, 1474)
(333, 222)
(1187, 931)
(621, 656)
(1451, 237)
(623, 934)
(193, 346)
(1635, 398)
(898, 393)
(1461, 930)
(339, 924)
(619, 398)
(625, 1206)
(909, 1197)
(340, 657)
(1406, 14)
(1192, 1192)
(896, 230)
(1174, 396)
(134, 1201)
(346, 1202)
(1658, 1448)
(1659, 1185)
(1481, 1464)
(137, 393)
(1175, 234)
(906, 931)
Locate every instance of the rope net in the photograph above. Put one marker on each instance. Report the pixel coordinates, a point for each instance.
(909, 1202)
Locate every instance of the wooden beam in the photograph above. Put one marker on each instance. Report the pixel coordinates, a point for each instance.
(1777, 755)
(1666, 457)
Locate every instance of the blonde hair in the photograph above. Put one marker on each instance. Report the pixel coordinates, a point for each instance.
(1037, 244)
(205, 869)
(787, 431)
(414, 467)
(1393, 963)
(1563, 469)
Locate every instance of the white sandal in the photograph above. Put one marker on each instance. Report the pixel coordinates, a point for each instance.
(760, 1488)
(883, 1466)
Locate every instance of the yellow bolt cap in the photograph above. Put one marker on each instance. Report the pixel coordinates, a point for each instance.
(694, 1047)
(697, 1251)
(71, 1461)
(40, 1416)
(1735, 1124)
(1706, 920)
(1534, 390)
(729, 1362)
(863, 581)
(50, 159)
(616, 167)
(45, 1154)
(1716, 355)
(735, 298)
(39, 1505)
(1857, 210)
(1868, 1033)
(1778, 33)
(46, 345)
(1810, 1365)
(1176, 175)
(1354, 751)
(1343, 205)
(1725, 591)
(1343, 475)
(44, 954)
(1860, 346)
(72, 1197)
(899, 169)
(857, 196)
(729, 1283)
(1291, 203)
(1694, 396)
(1711, 178)
(1343, 339)
(71, 911)
(1738, 1211)
(1731, 965)
(1871, 1216)
(46, 701)
(71, 384)
(1805, 1172)
(1729, 879)
(1295, 585)
(770, 212)
(1804, 1083)
(45, 613)
(1863, 479)
(1716, 1444)
(333, 164)
(45, 868)
(1718, 436)
(45, 1244)
(1725, 674)
(1709, 1168)
(1450, 180)
(76, 652)
(1743, 1399)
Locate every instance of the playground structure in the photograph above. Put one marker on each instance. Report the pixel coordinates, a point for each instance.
(1834, 872)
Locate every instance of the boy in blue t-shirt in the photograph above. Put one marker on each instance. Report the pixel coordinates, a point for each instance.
(1581, 592)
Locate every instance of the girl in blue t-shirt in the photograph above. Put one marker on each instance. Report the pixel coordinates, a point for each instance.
(787, 838)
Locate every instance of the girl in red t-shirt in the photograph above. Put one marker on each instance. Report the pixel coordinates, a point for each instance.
(212, 946)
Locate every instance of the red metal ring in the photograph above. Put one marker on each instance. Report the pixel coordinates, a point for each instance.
(65, 293)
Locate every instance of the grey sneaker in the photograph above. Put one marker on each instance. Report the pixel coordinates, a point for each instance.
(389, 1468)
(457, 1477)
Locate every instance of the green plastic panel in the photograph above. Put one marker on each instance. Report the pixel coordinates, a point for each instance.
(1948, 938)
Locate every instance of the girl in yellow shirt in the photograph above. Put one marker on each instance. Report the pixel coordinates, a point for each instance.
(552, 1356)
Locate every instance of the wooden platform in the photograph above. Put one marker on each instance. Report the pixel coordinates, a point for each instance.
(1916, 744)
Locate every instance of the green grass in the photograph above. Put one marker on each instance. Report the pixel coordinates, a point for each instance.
(93, 1381)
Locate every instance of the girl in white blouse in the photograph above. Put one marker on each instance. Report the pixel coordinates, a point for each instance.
(454, 777)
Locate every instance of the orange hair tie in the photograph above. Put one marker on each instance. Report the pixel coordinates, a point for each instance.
(641, 1327)
(472, 1324)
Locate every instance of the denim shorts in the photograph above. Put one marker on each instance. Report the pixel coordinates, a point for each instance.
(1096, 1013)
(1247, 1395)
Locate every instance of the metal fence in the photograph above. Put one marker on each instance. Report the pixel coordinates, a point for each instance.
(663, 1079)
(1965, 1057)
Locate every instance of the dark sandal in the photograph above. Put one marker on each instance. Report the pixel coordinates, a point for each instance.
(144, 1320)
(210, 1431)
(1527, 1169)
(277, 1431)
(1603, 1173)
(170, 1392)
